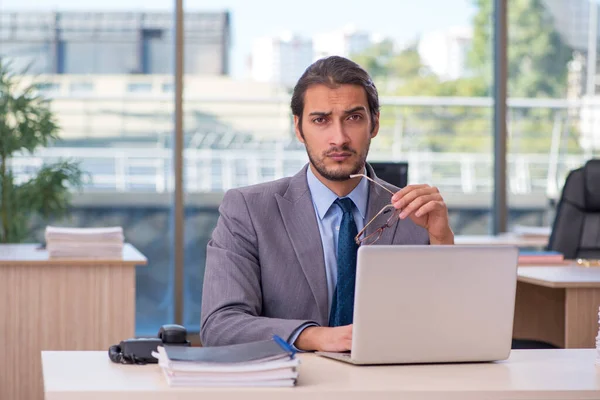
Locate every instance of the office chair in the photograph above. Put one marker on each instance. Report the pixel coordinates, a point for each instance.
(576, 228)
(395, 173)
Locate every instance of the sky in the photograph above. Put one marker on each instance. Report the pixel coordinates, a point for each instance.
(401, 20)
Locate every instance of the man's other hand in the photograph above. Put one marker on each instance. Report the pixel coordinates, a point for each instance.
(315, 338)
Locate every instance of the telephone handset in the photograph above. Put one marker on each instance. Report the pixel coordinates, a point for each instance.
(139, 350)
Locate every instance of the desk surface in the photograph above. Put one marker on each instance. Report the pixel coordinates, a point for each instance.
(561, 276)
(31, 254)
(528, 374)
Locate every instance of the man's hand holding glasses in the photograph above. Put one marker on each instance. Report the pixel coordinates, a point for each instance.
(423, 204)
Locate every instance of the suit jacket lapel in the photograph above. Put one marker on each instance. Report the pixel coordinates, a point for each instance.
(379, 198)
(298, 214)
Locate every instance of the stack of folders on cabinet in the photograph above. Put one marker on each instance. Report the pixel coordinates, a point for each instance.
(268, 363)
(103, 243)
(532, 231)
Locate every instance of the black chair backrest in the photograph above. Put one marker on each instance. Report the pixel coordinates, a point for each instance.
(576, 229)
(395, 173)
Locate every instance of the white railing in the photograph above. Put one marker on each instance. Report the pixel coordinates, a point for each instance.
(408, 119)
(206, 170)
(218, 158)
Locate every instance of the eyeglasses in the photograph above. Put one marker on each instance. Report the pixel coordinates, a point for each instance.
(375, 235)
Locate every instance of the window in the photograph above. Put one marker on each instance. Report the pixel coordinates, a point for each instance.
(81, 87)
(139, 87)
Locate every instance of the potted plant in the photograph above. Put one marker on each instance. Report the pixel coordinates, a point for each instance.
(27, 124)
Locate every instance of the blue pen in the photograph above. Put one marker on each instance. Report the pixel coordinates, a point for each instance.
(284, 345)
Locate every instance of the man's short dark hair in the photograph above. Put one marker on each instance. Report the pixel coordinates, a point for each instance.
(334, 71)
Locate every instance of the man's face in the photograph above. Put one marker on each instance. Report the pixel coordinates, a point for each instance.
(336, 129)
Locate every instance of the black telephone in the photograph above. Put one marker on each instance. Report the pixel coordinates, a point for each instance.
(139, 350)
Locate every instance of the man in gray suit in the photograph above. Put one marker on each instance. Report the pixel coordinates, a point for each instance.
(282, 257)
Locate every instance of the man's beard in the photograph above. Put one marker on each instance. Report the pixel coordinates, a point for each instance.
(341, 172)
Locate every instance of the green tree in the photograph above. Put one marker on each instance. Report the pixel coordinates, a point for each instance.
(390, 68)
(537, 56)
(537, 68)
(403, 73)
(26, 124)
(376, 59)
(537, 60)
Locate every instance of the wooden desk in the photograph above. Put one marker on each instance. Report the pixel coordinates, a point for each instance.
(528, 374)
(558, 305)
(59, 304)
(505, 239)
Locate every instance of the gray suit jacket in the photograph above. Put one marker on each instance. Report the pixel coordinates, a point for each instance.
(265, 271)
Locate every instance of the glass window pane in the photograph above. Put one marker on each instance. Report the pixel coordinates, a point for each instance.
(121, 139)
(35, 57)
(553, 107)
(92, 56)
(433, 73)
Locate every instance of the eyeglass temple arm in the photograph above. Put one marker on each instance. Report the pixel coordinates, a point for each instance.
(372, 180)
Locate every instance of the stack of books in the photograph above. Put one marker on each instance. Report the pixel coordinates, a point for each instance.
(598, 341)
(541, 258)
(270, 363)
(104, 243)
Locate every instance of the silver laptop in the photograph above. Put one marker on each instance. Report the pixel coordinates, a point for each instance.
(432, 304)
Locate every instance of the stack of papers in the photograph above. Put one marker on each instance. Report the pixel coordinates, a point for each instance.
(257, 364)
(106, 243)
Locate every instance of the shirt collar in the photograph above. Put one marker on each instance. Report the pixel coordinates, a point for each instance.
(323, 197)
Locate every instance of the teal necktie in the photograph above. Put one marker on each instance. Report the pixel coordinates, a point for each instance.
(342, 307)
